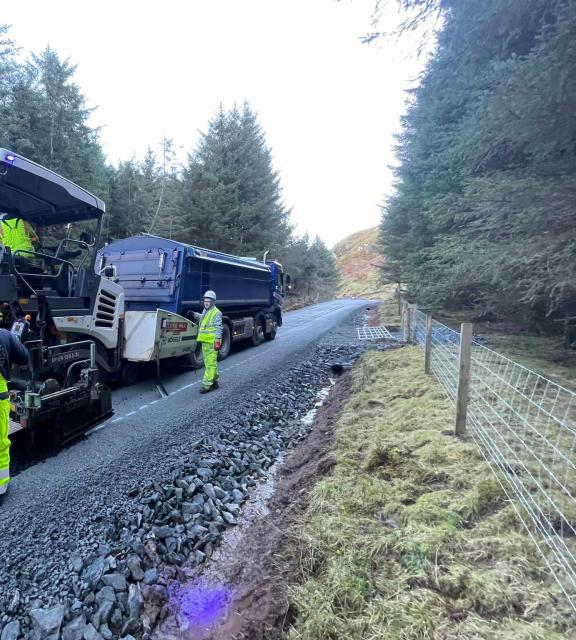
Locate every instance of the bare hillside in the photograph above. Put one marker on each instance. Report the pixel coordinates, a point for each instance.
(358, 258)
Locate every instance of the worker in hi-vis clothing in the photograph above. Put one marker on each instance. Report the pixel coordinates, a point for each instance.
(210, 336)
(11, 350)
(18, 235)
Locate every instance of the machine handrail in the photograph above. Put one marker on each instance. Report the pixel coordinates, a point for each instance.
(21, 274)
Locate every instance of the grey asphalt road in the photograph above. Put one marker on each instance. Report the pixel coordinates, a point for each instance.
(145, 423)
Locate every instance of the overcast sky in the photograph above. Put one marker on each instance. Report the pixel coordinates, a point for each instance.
(329, 105)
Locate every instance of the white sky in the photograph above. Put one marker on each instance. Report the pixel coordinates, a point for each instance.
(329, 105)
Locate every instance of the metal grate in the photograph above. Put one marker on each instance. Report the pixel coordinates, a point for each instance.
(13, 427)
(374, 333)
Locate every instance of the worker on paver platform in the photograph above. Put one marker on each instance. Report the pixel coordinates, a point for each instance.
(11, 350)
(18, 235)
(210, 336)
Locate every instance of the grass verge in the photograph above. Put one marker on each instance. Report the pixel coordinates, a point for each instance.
(410, 537)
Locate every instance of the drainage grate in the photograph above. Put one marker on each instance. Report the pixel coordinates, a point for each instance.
(375, 333)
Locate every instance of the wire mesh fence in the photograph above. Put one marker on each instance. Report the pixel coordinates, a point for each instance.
(525, 426)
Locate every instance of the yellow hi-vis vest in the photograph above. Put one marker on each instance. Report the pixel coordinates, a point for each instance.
(17, 234)
(207, 329)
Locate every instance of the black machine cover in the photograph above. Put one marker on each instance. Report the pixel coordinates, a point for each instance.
(34, 193)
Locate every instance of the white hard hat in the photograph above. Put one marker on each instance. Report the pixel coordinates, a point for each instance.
(210, 294)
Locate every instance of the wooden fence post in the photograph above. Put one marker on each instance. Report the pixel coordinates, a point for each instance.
(414, 325)
(462, 394)
(406, 322)
(428, 344)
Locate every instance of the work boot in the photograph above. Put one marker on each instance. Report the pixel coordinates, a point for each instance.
(205, 389)
(215, 384)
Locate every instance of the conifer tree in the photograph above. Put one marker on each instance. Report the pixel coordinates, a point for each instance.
(484, 215)
(231, 196)
(47, 121)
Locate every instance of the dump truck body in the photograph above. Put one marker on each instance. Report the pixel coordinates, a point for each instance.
(158, 273)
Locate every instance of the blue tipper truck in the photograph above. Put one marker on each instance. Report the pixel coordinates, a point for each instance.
(160, 274)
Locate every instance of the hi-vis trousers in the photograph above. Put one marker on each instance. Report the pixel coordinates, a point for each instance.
(4, 440)
(210, 356)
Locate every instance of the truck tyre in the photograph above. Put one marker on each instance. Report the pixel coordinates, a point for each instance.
(193, 359)
(226, 343)
(258, 335)
(129, 373)
(271, 335)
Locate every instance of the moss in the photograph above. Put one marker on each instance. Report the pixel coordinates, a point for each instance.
(411, 537)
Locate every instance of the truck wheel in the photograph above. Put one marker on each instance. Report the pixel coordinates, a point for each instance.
(129, 373)
(271, 335)
(193, 359)
(226, 343)
(258, 335)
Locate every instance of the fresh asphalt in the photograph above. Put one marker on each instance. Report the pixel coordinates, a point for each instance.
(144, 423)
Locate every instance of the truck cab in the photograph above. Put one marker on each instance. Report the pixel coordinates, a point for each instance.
(278, 285)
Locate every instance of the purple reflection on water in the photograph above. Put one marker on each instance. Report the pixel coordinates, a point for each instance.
(201, 605)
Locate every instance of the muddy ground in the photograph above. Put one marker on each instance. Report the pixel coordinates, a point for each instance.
(242, 593)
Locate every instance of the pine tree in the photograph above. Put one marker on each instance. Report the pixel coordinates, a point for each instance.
(231, 197)
(312, 267)
(8, 74)
(48, 122)
(143, 196)
(484, 214)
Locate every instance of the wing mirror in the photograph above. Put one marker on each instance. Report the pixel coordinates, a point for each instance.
(108, 271)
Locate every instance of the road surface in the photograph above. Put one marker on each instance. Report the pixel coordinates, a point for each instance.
(144, 422)
(80, 500)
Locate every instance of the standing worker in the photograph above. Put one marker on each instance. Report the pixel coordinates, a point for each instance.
(11, 350)
(210, 336)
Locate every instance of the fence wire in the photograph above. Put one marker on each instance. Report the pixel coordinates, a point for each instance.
(525, 427)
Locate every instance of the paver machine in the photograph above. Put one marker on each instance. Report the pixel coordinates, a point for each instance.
(70, 312)
(49, 289)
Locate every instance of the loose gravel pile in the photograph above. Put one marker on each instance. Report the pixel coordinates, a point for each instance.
(106, 568)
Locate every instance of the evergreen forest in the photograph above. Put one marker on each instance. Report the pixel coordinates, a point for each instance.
(227, 196)
(484, 213)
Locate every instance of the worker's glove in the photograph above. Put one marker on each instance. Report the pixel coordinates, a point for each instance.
(217, 345)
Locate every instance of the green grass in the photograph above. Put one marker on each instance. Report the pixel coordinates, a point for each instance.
(388, 311)
(368, 286)
(410, 538)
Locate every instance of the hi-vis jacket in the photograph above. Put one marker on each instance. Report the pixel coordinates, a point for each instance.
(17, 234)
(210, 328)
